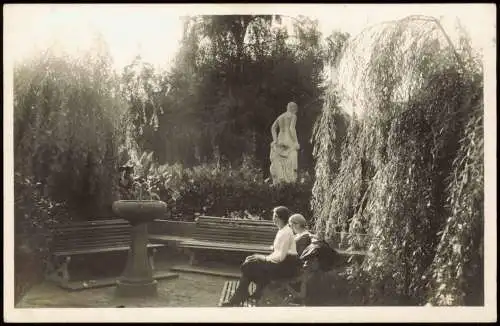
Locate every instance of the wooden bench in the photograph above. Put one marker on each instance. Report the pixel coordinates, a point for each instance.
(87, 238)
(230, 235)
(246, 236)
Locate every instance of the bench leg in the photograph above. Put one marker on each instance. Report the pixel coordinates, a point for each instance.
(50, 270)
(64, 270)
(288, 286)
(290, 289)
(57, 271)
(192, 258)
(303, 285)
(151, 258)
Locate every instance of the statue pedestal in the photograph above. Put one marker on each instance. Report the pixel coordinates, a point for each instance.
(137, 279)
(283, 167)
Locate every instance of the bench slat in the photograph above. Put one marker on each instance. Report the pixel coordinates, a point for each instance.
(236, 229)
(78, 232)
(223, 220)
(97, 221)
(249, 249)
(222, 245)
(215, 239)
(91, 224)
(97, 238)
(229, 288)
(91, 243)
(73, 238)
(91, 227)
(92, 246)
(90, 235)
(238, 226)
(71, 242)
(242, 235)
(236, 233)
(99, 250)
(225, 292)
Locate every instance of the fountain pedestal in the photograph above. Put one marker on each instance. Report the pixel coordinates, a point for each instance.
(137, 278)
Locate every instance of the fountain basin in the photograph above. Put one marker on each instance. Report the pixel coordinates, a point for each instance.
(139, 211)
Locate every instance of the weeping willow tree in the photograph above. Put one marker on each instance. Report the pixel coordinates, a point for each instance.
(66, 117)
(406, 171)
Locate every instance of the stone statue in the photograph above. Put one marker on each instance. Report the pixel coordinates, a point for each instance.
(284, 147)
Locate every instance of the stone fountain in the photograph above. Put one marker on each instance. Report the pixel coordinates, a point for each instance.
(137, 279)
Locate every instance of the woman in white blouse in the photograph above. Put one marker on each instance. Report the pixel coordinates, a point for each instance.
(261, 269)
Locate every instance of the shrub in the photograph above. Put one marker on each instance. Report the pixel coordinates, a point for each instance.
(217, 190)
(34, 215)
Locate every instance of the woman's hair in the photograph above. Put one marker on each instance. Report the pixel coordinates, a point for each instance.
(282, 213)
(298, 219)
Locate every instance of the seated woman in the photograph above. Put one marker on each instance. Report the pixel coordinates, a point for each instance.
(302, 236)
(261, 269)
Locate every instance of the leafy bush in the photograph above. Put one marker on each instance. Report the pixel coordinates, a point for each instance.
(34, 215)
(217, 190)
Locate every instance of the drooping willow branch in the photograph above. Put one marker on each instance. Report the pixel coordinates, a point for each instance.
(441, 28)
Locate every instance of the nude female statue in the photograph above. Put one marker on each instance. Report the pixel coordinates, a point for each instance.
(284, 147)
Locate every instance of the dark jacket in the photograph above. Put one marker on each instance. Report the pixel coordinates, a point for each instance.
(320, 251)
(302, 243)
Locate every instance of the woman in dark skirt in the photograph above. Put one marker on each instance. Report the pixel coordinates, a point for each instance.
(261, 269)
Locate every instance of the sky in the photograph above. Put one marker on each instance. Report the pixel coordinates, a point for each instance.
(154, 31)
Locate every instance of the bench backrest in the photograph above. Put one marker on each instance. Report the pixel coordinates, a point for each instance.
(236, 231)
(91, 234)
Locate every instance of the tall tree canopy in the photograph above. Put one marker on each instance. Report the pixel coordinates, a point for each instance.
(232, 76)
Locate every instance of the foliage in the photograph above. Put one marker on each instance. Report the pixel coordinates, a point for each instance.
(140, 178)
(142, 88)
(34, 215)
(219, 190)
(409, 93)
(232, 77)
(335, 47)
(457, 269)
(66, 118)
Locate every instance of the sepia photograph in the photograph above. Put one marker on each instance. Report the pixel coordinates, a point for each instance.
(244, 163)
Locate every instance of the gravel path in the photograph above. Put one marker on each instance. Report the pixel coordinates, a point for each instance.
(188, 290)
